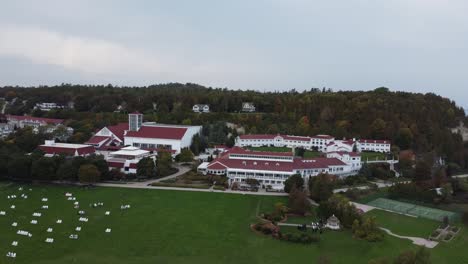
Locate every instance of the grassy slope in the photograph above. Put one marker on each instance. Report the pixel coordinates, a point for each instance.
(372, 156)
(404, 225)
(167, 227)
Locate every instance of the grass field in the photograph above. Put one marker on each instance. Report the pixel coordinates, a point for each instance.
(307, 153)
(273, 149)
(172, 227)
(312, 154)
(372, 156)
(405, 225)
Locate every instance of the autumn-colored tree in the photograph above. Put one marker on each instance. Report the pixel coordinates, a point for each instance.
(88, 174)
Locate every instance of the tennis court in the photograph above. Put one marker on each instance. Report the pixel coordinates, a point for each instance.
(412, 209)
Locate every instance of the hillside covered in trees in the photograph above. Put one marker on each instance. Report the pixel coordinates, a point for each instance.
(420, 122)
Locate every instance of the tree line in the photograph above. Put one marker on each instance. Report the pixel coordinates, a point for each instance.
(414, 121)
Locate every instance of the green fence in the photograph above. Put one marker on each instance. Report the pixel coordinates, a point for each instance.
(412, 209)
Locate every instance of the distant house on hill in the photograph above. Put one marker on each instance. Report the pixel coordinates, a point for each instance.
(48, 106)
(462, 130)
(201, 108)
(248, 107)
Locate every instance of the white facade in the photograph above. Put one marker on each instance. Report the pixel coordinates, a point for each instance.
(318, 142)
(126, 159)
(175, 145)
(149, 136)
(382, 146)
(352, 159)
(340, 145)
(272, 169)
(48, 106)
(248, 107)
(201, 108)
(323, 143)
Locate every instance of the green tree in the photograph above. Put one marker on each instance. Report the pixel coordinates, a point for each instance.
(43, 169)
(66, 171)
(164, 164)
(321, 187)
(422, 171)
(378, 128)
(89, 174)
(146, 168)
(298, 202)
(185, 155)
(404, 138)
(19, 167)
(294, 181)
(421, 256)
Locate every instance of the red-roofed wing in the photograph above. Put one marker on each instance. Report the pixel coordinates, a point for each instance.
(176, 133)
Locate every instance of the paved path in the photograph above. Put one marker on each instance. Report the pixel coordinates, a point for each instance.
(416, 240)
(364, 207)
(182, 170)
(460, 176)
(295, 225)
(4, 107)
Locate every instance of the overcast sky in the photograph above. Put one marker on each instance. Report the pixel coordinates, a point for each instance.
(410, 45)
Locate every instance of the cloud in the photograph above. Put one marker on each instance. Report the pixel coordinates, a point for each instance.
(82, 54)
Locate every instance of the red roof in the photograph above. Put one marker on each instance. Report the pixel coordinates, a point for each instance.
(113, 164)
(176, 133)
(97, 139)
(374, 141)
(57, 150)
(35, 119)
(238, 150)
(135, 113)
(217, 166)
(221, 164)
(119, 130)
(224, 162)
(318, 163)
(323, 137)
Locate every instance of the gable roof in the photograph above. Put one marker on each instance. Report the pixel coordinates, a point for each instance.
(119, 130)
(67, 149)
(176, 133)
(97, 139)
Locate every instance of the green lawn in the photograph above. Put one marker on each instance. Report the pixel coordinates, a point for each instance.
(172, 227)
(372, 156)
(273, 149)
(404, 225)
(312, 154)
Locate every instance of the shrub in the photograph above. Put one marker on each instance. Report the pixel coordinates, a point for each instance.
(436, 233)
(465, 218)
(302, 238)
